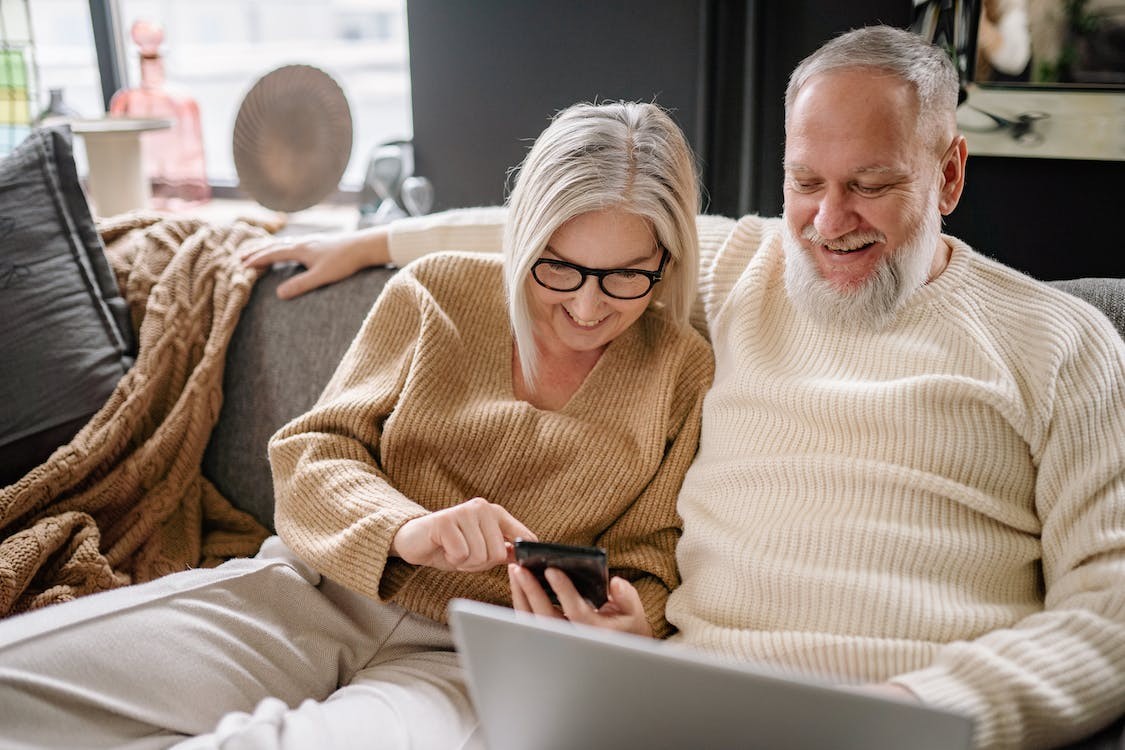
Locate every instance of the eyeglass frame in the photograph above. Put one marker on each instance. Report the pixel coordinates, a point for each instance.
(654, 277)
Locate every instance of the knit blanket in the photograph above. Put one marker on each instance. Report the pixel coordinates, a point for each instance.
(125, 502)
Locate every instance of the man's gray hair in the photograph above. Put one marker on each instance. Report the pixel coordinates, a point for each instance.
(624, 156)
(900, 53)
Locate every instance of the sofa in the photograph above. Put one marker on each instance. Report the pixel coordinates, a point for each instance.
(283, 352)
(279, 357)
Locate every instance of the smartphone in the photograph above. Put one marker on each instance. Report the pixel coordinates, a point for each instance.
(586, 567)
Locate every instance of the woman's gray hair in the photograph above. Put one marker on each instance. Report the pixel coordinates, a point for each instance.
(621, 156)
(900, 53)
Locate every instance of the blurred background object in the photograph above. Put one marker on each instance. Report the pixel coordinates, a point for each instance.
(1004, 41)
(292, 138)
(173, 157)
(18, 74)
(1051, 42)
(117, 180)
(217, 49)
(390, 189)
(57, 110)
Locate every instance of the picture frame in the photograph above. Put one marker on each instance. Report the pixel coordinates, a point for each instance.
(1040, 78)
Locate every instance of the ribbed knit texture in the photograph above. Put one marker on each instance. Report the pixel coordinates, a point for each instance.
(421, 416)
(874, 506)
(942, 503)
(124, 501)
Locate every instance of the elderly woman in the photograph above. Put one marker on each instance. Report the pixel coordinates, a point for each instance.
(554, 394)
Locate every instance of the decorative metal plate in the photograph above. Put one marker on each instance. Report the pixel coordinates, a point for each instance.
(292, 138)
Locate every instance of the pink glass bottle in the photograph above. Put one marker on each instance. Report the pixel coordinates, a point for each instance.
(173, 157)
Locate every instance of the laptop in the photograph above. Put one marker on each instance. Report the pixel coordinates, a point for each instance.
(541, 684)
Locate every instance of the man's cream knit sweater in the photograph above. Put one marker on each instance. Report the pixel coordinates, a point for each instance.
(421, 416)
(940, 504)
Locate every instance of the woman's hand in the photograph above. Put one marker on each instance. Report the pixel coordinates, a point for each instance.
(327, 258)
(473, 536)
(624, 611)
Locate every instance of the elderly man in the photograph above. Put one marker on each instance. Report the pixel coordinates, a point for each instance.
(912, 465)
(912, 468)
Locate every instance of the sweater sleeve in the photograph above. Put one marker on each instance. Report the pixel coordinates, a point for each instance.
(725, 249)
(1059, 674)
(643, 539)
(335, 507)
(469, 229)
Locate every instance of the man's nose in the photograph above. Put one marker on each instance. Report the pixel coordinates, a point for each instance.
(835, 215)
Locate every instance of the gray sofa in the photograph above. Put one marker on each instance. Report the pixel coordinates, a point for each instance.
(283, 353)
(280, 358)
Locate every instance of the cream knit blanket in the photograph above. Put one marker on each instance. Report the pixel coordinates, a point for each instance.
(125, 501)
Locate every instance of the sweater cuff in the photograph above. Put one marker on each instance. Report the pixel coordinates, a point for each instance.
(396, 574)
(935, 686)
(654, 597)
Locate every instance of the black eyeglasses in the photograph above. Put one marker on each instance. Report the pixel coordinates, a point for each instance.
(619, 283)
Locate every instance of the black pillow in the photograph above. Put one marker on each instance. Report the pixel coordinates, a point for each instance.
(65, 335)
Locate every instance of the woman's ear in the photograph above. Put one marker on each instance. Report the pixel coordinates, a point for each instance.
(953, 175)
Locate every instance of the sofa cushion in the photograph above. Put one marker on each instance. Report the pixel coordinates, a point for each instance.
(66, 338)
(279, 360)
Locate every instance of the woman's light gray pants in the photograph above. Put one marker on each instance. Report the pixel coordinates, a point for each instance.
(257, 653)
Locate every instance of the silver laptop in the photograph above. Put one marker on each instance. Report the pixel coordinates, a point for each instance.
(540, 684)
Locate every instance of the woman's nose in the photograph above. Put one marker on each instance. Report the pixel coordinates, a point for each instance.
(588, 299)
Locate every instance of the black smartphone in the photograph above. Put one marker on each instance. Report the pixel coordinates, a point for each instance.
(586, 567)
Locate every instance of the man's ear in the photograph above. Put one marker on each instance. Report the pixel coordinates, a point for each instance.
(953, 175)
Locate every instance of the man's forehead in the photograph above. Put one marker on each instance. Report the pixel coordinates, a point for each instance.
(853, 104)
(872, 168)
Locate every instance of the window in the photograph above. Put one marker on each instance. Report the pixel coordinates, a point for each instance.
(214, 50)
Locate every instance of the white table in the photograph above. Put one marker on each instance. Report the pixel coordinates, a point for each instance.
(117, 179)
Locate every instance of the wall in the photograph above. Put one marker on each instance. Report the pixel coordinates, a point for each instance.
(487, 74)
(1051, 218)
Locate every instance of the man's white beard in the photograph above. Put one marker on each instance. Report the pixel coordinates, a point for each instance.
(873, 303)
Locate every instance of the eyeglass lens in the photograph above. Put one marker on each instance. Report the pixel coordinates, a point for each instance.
(616, 283)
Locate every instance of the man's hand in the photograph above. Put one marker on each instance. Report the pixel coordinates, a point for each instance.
(327, 258)
(469, 537)
(624, 611)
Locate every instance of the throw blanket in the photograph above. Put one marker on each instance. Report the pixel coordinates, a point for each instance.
(125, 502)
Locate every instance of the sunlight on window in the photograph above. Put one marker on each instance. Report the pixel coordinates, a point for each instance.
(214, 50)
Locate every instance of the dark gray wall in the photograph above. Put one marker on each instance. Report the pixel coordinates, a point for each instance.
(487, 75)
(1050, 218)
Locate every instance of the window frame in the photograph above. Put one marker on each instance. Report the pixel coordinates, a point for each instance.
(104, 15)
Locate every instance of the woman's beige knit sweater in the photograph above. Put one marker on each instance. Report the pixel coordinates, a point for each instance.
(421, 416)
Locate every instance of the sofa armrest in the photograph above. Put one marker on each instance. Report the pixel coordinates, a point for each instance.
(280, 358)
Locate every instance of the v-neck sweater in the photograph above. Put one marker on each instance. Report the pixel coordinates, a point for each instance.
(421, 416)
